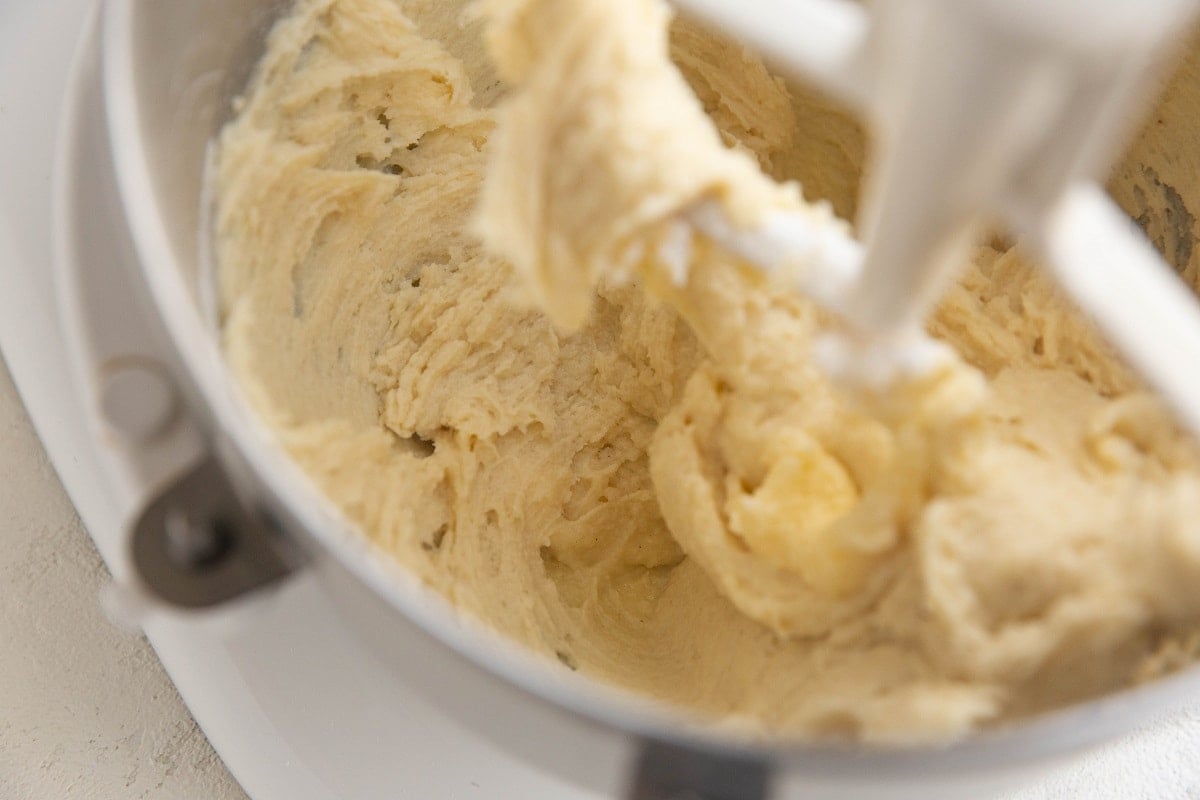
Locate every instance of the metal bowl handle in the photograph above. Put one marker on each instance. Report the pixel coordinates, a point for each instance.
(671, 772)
(196, 544)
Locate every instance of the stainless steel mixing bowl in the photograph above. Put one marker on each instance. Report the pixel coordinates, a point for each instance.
(242, 517)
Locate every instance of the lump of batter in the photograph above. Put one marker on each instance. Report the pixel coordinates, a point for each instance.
(443, 244)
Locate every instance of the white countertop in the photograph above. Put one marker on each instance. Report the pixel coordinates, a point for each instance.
(86, 710)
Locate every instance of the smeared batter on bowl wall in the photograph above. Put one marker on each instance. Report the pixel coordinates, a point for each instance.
(438, 236)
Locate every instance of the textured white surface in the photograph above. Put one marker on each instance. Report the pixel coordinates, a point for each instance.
(1161, 762)
(85, 710)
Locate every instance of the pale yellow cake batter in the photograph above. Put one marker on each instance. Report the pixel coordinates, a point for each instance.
(439, 231)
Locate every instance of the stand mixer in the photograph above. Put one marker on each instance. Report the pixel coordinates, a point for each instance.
(159, 139)
(984, 112)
